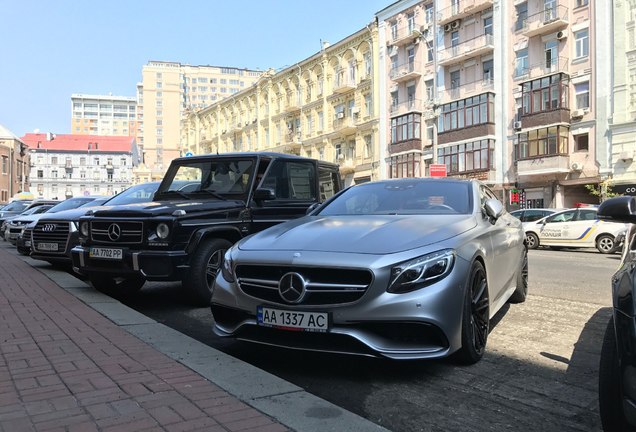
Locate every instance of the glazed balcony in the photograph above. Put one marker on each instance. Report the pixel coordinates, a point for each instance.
(559, 64)
(410, 106)
(544, 165)
(406, 71)
(406, 146)
(548, 20)
(475, 47)
(467, 90)
(462, 9)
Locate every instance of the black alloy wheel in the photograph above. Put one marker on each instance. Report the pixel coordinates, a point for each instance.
(521, 292)
(204, 266)
(476, 316)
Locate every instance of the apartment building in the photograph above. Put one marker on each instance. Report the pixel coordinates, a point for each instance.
(167, 91)
(325, 107)
(622, 124)
(105, 115)
(14, 169)
(64, 166)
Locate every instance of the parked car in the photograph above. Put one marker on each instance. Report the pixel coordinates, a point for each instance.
(183, 234)
(53, 236)
(16, 207)
(30, 211)
(533, 214)
(617, 369)
(16, 225)
(404, 269)
(578, 228)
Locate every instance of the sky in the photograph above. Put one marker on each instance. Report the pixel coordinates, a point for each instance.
(52, 49)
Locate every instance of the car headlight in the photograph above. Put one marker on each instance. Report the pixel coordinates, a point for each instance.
(84, 229)
(163, 230)
(227, 267)
(422, 271)
(74, 226)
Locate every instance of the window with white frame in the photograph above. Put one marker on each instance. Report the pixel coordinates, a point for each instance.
(368, 149)
(368, 64)
(410, 21)
(368, 104)
(582, 43)
(521, 62)
(582, 91)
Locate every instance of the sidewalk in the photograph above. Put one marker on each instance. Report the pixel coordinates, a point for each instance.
(64, 366)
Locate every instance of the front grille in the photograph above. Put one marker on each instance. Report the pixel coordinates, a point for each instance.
(51, 232)
(323, 286)
(130, 232)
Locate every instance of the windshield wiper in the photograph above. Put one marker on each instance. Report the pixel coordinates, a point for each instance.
(214, 194)
(175, 192)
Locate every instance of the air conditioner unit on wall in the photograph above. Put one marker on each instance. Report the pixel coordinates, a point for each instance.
(575, 166)
(448, 28)
(455, 24)
(340, 115)
(577, 114)
(516, 125)
(561, 35)
(626, 156)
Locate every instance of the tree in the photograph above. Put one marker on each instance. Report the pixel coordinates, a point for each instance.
(602, 190)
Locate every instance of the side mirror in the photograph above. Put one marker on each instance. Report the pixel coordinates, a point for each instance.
(264, 194)
(312, 207)
(620, 209)
(494, 209)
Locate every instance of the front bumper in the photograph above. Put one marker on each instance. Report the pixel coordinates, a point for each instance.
(152, 265)
(422, 324)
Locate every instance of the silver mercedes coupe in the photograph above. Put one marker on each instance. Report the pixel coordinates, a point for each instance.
(402, 269)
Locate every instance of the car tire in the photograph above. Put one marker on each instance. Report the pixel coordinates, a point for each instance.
(475, 316)
(609, 389)
(24, 251)
(116, 286)
(521, 292)
(532, 240)
(204, 266)
(605, 244)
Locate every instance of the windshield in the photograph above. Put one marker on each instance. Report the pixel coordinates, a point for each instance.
(37, 209)
(71, 203)
(219, 176)
(16, 206)
(135, 194)
(403, 197)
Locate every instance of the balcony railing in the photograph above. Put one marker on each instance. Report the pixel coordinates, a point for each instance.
(344, 125)
(343, 82)
(406, 71)
(556, 65)
(468, 90)
(471, 48)
(412, 105)
(461, 9)
(547, 21)
(545, 164)
(404, 35)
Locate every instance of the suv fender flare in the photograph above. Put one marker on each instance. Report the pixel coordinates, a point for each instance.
(229, 233)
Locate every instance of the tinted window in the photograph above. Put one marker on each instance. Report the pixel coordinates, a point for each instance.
(587, 215)
(135, 194)
(534, 215)
(231, 176)
(17, 206)
(328, 183)
(71, 203)
(402, 197)
(291, 180)
(562, 217)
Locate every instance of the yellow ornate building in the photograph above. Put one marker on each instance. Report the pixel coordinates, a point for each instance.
(324, 107)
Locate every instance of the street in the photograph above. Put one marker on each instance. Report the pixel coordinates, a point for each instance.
(539, 373)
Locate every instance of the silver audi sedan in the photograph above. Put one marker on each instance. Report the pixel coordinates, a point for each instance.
(403, 269)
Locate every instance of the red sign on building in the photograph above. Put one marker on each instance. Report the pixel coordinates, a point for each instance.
(437, 170)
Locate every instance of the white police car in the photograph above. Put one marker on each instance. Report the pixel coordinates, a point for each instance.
(579, 228)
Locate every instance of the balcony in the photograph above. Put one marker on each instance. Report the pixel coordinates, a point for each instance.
(462, 9)
(548, 164)
(286, 148)
(110, 168)
(548, 20)
(293, 140)
(404, 35)
(344, 125)
(468, 90)
(293, 104)
(406, 71)
(413, 105)
(471, 48)
(347, 166)
(559, 64)
(545, 118)
(343, 83)
(406, 146)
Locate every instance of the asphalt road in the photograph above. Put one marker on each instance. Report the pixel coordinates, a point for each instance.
(539, 374)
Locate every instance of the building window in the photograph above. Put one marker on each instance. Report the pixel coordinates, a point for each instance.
(54, 174)
(40, 172)
(429, 52)
(368, 149)
(489, 71)
(488, 26)
(428, 13)
(582, 42)
(550, 141)
(454, 38)
(455, 79)
(467, 112)
(321, 121)
(580, 3)
(5, 165)
(522, 15)
(410, 21)
(430, 95)
(53, 160)
(545, 94)
(368, 64)
(581, 142)
(394, 30)
(405, 166)
(405, 128)
(368, 104)
(582, 91)
(468, 157)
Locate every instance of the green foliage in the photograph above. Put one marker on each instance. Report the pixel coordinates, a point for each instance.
(602, 190)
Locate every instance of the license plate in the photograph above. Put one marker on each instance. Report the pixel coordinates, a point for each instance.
(293, 320)
(51, 247)
(106, 253)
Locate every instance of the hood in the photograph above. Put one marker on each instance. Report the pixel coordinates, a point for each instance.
(165, 208)
(73, 214)
(360, 234)
(27, 218)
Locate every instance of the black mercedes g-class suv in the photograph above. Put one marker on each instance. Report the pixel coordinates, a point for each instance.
(184, 232)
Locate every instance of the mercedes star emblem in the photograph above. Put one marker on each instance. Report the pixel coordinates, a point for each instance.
(114, 231)
(291, 287)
